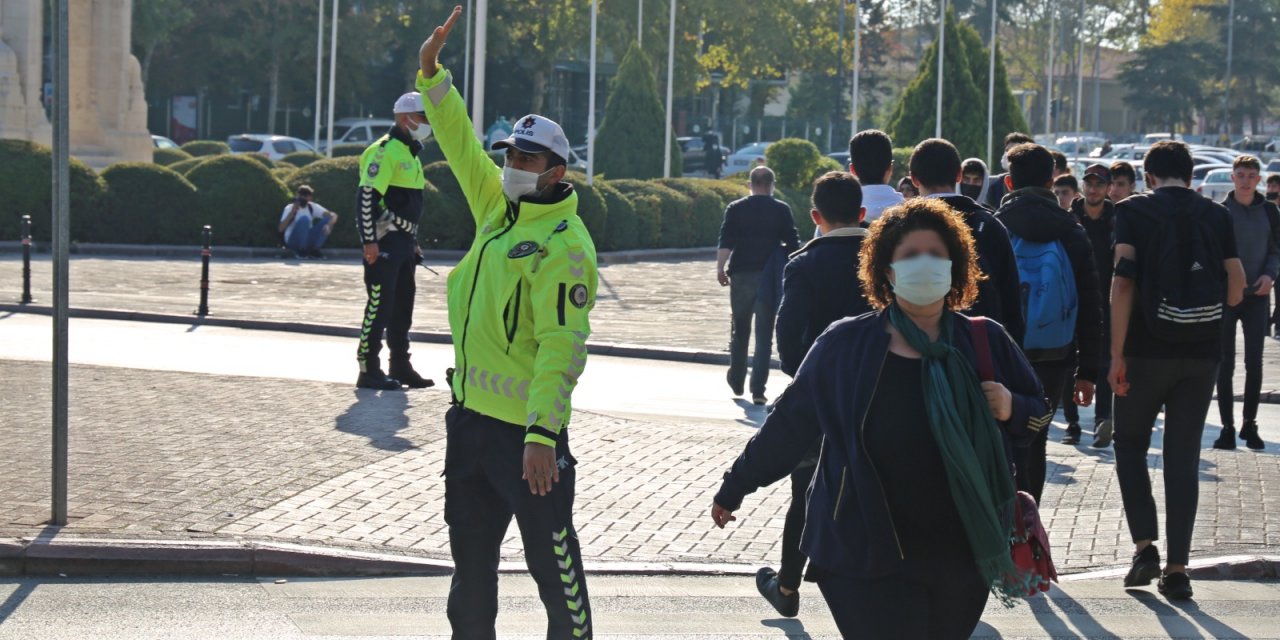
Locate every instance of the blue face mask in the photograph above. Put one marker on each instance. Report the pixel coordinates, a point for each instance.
(922, 280)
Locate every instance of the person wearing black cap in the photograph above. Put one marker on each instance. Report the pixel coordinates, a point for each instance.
(1096, 214)
(388, 209)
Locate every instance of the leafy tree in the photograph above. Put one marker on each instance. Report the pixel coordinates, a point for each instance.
(1165, 83)
(963, 111)
(154, 23)
(1008, 116)
(629, 142)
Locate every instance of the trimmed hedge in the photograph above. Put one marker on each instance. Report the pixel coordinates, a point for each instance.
(901, 164)
(26, 185)
(348, 149)
(335, 182)
(146, 203)
(240, 198)
(260, 159)
(794, 161)
(622, 223)
(185, 166)
(592, 207)
(206, 148)
(825, 166)
(707, 209)
(166, 157)
(800, 203)
(283, 173)
(302, 158)
(448, 222)
(663, 215)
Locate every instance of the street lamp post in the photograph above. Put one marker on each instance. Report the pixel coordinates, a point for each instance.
(319, 66)
(671, 68)
(591, 98)
(857, 57)
(1226, 95)
(333, 70)
(1080, 68)
(991, 86)
(942, 43)
(1048, 74)
(477, 87)
(61, 248)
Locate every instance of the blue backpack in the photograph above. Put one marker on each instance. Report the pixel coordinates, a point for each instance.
(1049, 300)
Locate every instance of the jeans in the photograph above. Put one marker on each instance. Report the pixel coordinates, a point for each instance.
(1030, 464)
(1184, 387)
(305, 236)
(1252, 316)
(793, 559)
(941, 601)
(746, 302)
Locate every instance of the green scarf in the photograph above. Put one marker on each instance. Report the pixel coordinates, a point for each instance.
(972, 452)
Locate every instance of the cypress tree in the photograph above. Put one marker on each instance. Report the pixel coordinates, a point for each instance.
(629, 143)
(964, 120)
(1008, 116)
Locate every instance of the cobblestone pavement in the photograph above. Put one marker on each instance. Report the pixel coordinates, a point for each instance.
(165, 455)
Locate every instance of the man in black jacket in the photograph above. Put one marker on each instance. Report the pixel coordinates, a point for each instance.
(819, 287)
(935, 170)
(997, 189)
(1045, 233)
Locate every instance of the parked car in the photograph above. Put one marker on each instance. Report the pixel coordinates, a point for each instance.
(744, 159)
(1216, 184)
(1273, 166)
(1078, 145)
(161, 142)
(1131, 153)
(842, 157)
(355, 131)
(1201, 170)
(694, 154)
(273, 147)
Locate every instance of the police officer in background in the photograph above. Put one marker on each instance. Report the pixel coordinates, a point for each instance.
(518, 308)
(388, 210)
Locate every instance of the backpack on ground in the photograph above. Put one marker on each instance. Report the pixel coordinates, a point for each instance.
(1181, 280)
(1050, 302)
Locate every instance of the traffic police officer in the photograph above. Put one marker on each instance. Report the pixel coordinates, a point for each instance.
(518, 307)
(388, 210)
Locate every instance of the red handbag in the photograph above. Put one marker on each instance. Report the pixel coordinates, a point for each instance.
(1029, 545)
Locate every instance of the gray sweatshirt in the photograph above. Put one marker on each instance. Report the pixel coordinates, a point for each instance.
(1254, 239)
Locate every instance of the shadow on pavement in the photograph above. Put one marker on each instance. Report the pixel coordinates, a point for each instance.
(378, 416)
(794, 629)
(1176, 617)
(754, 413)
(15, 599)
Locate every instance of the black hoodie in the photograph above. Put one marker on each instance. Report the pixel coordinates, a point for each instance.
(1033, 214)
(998, 295)
(819, 287)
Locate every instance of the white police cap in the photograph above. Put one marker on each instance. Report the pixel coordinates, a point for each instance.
(536, 134)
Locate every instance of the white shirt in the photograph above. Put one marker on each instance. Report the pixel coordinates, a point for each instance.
(878, 197)
(319, 214)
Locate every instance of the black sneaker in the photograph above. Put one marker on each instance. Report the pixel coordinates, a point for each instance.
(1176, 586)
(1249, 433)
(767, 584)
(376, 379)
(1226, 440)
(759, 400)
(317, 254)
(410, 378)
(1102, 434)
(737, 388)
(1146, 567)
(1073, 434)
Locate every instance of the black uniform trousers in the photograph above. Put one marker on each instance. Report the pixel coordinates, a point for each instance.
(483, 490)
(391, 289)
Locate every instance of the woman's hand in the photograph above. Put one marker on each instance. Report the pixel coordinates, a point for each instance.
(999, 399)
(721, 515)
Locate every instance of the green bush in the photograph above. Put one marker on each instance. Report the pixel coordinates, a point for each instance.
(793, 161)
(620, 233)
(185, 166)
(707, 209)
(206, 148)
(800, 203)
(630, 142)
(726, 189)
(348, 149)
(825, 166)
(448, 220)
(166, 157)
(901, 164)
(26, 189)
(281, 164)
(260, 159)
(335, 183)
(591, 205)
(664, 216)
(146, 203)
(302, 158)
(241, 199)
(283, 173)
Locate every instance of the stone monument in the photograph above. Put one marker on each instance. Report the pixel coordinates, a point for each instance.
(107, 104)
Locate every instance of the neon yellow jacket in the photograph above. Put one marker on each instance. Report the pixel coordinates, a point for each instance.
(520, 297)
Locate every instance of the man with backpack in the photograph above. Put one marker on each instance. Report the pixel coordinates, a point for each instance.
(1060, 299)
(1176, 262)
(1256, 222)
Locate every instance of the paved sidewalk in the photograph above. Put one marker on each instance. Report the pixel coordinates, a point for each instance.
(168, 455)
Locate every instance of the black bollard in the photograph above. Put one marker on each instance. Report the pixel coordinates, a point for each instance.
(26, 260)
(205, 254)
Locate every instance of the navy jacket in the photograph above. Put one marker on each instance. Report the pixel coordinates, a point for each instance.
(849, 529)
(999, 296)
(819, 286)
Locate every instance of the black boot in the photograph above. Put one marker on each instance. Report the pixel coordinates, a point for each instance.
(403, 371)
(1249, 433)
(376, 379)
(1226, 440)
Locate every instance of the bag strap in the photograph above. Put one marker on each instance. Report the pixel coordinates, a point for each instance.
(986, 370)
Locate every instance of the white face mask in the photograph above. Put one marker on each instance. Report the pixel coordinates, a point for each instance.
(1004, 161)
(517, 183)
(922, 280)
(421, 133)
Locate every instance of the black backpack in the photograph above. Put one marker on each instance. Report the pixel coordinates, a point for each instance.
(1181, 281)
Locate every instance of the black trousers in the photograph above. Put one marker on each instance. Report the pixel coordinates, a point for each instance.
(931, 601)
(391, 290)
(1252, 316)
(1184, 387)
(483, 490)
(746, 303)
(791, 571)
(1030, 463)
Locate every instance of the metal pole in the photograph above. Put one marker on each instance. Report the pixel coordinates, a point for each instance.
(991, 86)
(26, 260)
(319, 76)
(839, 77)
(640, 22)
(671, 67)
(1048, 76)
(333, 71)
(205, 253)
(1226, 96)
(477, 87)
(857, 58)
(466, 61)
(1080, 68)
(61, 248)
(591, 98)
(942, 43)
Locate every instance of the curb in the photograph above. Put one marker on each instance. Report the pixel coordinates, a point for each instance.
(668, 354)
(335, 254)
(44, 556)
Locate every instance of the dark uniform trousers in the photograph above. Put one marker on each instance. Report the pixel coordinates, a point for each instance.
(483, 490)
(391, 288)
